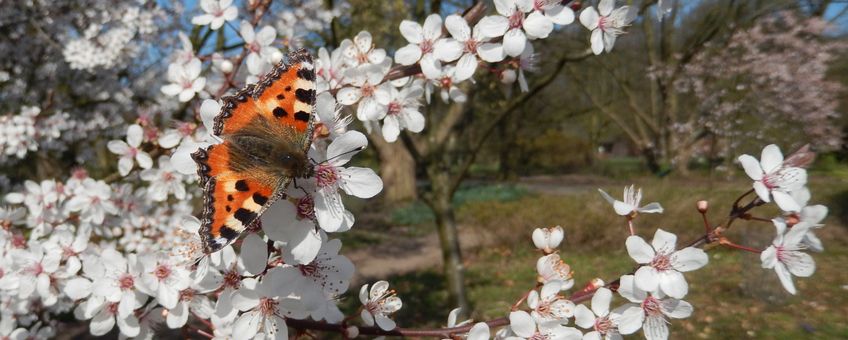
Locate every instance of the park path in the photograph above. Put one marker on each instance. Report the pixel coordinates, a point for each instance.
(406, 254)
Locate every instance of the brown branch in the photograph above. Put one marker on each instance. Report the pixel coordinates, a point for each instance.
(404, 332)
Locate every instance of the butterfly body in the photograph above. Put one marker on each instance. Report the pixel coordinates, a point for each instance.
(266, 132)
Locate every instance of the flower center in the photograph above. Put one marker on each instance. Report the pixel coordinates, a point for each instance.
(603, 325)
(187, 294)
(602, 23)
(426, 46)
(326, 175)
(651, 306)
(306, 208)
(232, 279)
(308, 269)
(445, 82)
(112, 308)
(516, 19)
(162, 272)
(394, 108)
(661, 262)
(367, 90)
(471, 46)
(268, 306)
(36, 269)
(126, 282)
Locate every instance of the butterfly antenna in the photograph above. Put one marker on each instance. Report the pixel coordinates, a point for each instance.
(342, 154)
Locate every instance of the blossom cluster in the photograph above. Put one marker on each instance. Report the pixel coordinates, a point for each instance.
(123, 251)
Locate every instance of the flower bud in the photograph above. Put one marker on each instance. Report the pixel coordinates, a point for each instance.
(703, 206)
(548, 239)
(508, 76)
(352, 332)
(276, 57)
(226, 66)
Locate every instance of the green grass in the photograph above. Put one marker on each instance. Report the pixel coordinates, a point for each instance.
(733, 296)
(417, 212)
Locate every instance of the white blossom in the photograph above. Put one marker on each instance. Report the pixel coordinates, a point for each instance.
(785, 255)
(185, 80)
(663, 265)
(379, 303)
(630, 205)
(649, 311)
(606, 23)
(774, 179)
(217, 12)
(130, 152)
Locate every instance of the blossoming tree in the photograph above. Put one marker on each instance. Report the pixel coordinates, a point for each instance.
(122, 251)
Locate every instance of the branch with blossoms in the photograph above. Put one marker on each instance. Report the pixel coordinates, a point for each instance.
(123, 252)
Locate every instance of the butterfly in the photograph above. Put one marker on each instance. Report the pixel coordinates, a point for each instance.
(266, 130)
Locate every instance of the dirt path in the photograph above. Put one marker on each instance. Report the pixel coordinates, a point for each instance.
(408, 254)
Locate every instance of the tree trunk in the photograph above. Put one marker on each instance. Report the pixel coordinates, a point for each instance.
(651, 161)
(439, 199)
(397, 169)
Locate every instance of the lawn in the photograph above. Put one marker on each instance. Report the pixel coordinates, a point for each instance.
(733, 296)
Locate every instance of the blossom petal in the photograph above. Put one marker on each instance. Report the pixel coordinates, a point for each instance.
(601, 301)
(412, 32)
(771, 158)
(785, 278)
(655, 327)
(751, 166)
(676, 309)
(514, 41)
(408, 54)
(102, 323)
(673, 283)
(361, 182)
(802, 265)
(639, 250)
(630, 320)
(458, 27)
(345, 146)
(480, 331)
(785, 201)
(606, 7)
(689, 258)
(583, 317)
(664, 241)
(432, 27)
(492, 26)
(537, 25)
(589, 18)
(762, 191)
(560, 15)
(647, 278)
(651, 208)
(384, 322)
(522, 324)
(597, 41)
(465, 67)
(448, 49)
(254, 253)
(490, 52)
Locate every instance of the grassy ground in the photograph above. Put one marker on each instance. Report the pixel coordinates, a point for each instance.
(733, 296)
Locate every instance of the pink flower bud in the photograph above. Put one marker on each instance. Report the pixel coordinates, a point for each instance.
(703, 206)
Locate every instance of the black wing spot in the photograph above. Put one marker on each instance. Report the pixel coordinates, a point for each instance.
(259, 198)
(230, 198)
(279, 112)
(228, 208)
(228, 233)
(306, 74)
(281, 96)
(244, 216)
(288, 88)
(301, 116)
(241, 185)
(306, 96)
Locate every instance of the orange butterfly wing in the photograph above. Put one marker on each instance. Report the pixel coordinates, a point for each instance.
(235, 194)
